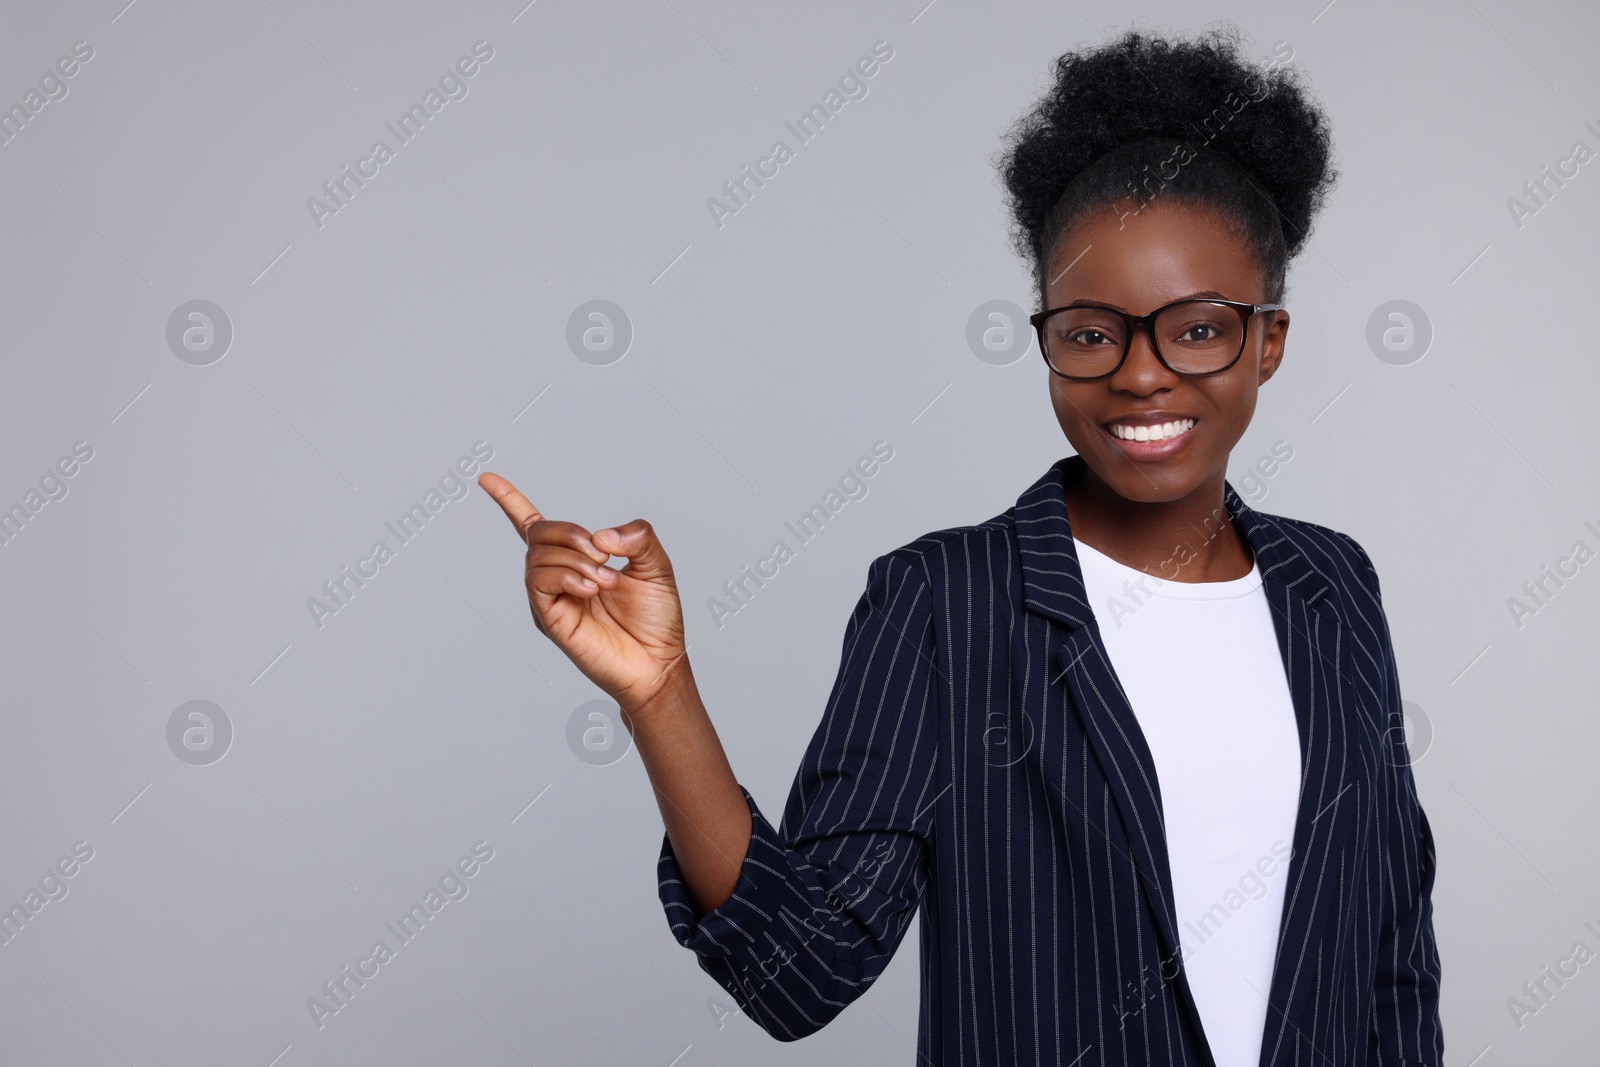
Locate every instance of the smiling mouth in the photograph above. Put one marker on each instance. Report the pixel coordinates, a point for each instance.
(1161, 431)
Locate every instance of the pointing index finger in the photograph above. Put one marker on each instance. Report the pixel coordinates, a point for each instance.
(518, 508)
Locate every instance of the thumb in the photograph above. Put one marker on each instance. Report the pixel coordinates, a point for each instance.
(637, 542)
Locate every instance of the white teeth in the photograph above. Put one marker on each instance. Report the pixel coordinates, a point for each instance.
(1159, 432)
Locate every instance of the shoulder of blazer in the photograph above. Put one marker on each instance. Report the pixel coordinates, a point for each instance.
(955, 559)
(1341, 560)
(917, 550)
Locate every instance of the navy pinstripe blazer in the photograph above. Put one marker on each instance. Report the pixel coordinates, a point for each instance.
(978, 757)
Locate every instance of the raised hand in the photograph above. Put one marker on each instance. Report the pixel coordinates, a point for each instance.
(622, 628)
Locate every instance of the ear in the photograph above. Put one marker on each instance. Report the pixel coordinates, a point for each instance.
(1273, 344)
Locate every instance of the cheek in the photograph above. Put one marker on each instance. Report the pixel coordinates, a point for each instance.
(1071, 408)
(1068, 403)
(1234, 403)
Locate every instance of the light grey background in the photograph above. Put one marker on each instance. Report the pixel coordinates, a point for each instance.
(831, 312)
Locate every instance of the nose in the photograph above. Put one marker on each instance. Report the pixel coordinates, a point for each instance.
(1142, 373)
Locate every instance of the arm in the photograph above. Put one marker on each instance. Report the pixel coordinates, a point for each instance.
(821, 903)
(794, 924)
(705, 810)
(1405, 1009)
(624, 630)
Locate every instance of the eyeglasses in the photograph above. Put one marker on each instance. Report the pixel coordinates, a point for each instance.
(1087, 341)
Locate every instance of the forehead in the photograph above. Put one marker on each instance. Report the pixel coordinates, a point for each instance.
(1139, 259)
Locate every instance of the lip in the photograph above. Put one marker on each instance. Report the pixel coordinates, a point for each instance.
(1150, 450)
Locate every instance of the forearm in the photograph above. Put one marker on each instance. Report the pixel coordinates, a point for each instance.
(706, 817)
(824, 902)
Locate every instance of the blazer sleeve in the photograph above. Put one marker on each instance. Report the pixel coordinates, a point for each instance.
(1405, 1009)
(822, 902)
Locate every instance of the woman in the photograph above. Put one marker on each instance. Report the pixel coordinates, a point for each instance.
(1131, 745)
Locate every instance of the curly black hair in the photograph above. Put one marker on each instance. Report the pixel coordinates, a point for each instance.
(1144, 115)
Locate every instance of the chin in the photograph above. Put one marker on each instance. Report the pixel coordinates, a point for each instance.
(1150, 482)
(1168, 486)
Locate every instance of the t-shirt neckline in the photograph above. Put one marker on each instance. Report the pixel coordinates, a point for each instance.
(1155, 585)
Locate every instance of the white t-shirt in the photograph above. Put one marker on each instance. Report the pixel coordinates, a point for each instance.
(1201, 667)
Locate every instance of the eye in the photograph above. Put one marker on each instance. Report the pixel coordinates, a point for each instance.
(1199, 326)
(1090, 336)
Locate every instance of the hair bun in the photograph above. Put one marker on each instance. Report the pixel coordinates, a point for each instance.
(1200, 91)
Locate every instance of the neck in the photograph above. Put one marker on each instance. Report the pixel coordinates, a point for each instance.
(1190, 539)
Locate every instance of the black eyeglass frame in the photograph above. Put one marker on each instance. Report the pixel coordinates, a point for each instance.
(1247, 311)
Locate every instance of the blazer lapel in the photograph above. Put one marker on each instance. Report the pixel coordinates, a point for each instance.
(1311, 642)
(1053, 586)
(1339, 757)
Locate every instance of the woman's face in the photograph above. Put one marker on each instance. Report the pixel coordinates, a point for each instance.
(1137, 262)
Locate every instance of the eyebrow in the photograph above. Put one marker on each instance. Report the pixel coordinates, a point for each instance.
(1201, 295)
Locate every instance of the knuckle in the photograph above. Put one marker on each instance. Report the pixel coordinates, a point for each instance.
(574, 539)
